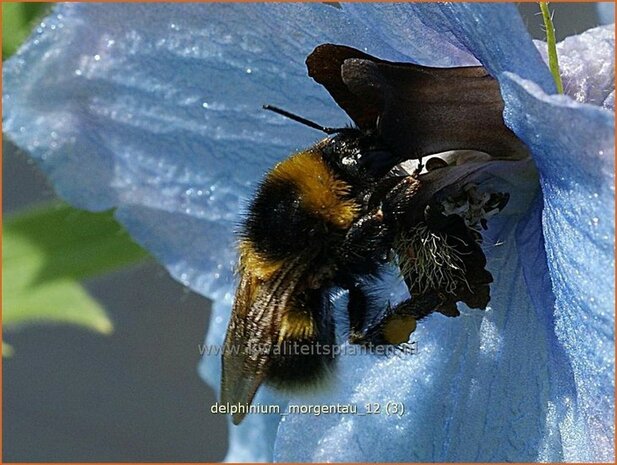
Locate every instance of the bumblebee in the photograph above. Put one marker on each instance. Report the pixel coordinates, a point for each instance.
(337, 212)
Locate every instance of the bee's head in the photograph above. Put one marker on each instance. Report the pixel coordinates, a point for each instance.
(358, 156)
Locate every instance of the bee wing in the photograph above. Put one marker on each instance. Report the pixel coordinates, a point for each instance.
(253, 331)
(419, 110)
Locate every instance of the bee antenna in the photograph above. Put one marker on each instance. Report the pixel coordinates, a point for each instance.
(299, 119)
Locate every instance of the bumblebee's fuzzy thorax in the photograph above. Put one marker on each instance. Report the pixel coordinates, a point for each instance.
(301, 206)
(320, 191)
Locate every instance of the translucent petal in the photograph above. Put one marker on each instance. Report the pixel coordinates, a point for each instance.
(574, 148)
(156, 110)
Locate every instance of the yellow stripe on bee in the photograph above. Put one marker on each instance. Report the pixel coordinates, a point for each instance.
(321, 192)
(256, 264)
(296, 325)
(398, 329)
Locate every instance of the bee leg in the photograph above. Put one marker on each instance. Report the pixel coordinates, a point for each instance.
(370, 237)
(357, 308)
(367, 241)
(397, 323)
(365, 247)
(360, 304)
(398, 200)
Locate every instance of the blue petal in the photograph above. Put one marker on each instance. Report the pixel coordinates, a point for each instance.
(573, 146)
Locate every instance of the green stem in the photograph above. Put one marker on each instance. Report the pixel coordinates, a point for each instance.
(553, 61)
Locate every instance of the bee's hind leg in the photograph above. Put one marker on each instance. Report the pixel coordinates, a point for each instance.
(397, 323)
(358, 304)
(365, 248)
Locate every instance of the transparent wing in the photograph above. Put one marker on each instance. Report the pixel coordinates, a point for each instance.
(253, 331)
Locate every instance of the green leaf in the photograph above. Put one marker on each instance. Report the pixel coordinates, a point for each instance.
(62, 301)
(57, 241)
(47, 251)
(18, 19)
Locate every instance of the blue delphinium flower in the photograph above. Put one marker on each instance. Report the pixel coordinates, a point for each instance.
(155, 110)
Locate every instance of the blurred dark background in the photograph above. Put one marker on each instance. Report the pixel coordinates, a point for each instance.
(135, 395)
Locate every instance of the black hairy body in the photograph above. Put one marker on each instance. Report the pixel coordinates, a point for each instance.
(309, 228)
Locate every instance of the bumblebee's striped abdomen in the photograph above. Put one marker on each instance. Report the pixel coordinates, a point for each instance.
(300, 205)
